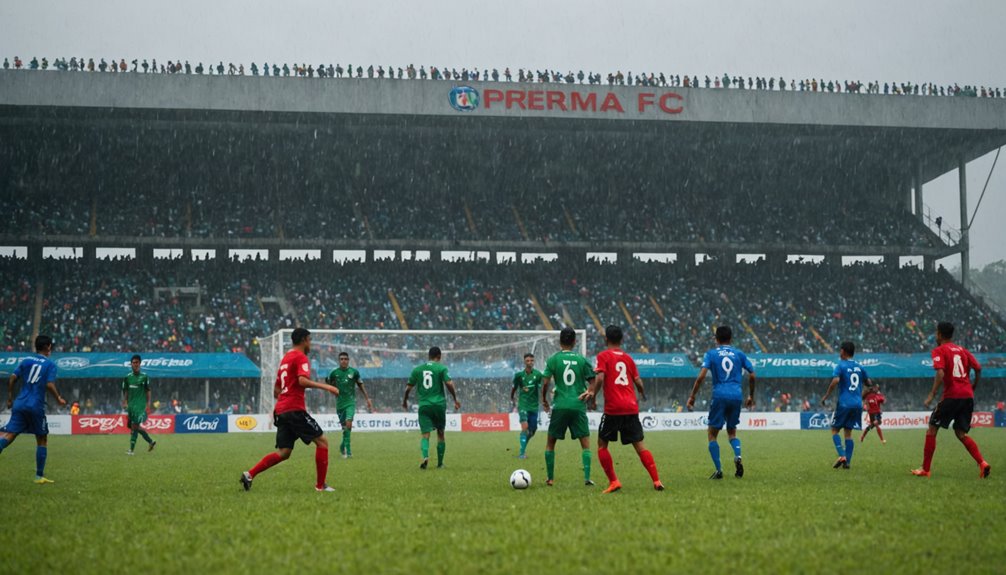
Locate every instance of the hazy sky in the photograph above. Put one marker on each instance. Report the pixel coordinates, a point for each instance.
(890, 40)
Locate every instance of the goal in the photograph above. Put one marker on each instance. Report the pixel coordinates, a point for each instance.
(481, 362)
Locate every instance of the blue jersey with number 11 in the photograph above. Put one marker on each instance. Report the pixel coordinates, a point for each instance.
(851, 379)
(726, 365)
(35, 373)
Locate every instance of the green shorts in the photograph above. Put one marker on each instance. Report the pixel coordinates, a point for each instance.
(346, 414)
(572, 419)
(432, 417)
(136, 416)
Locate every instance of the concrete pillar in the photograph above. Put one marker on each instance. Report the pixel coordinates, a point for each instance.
(929, 263)
(891, 262)
(965, 239)
(918, 192)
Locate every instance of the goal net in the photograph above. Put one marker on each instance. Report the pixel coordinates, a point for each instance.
(481, 363)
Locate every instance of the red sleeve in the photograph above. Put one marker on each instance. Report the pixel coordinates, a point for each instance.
(974, 361)
(305, 367)
(602, 364)
(633, 372)
(938, 358)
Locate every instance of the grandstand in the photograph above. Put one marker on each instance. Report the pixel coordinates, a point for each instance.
(567, 205)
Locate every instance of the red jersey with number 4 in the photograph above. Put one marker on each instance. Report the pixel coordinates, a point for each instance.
(291, 393)
(619, 376)
(956, 363)
(873, 402)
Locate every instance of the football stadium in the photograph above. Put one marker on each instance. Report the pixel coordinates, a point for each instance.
(174, 235)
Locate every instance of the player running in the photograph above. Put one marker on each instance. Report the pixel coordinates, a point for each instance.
(430, 379)
(616, 372)
(290, 415)
(528, 381)
(851, 379)
(345, 378)
(873, 401)
(726, 364)
(136, 402)
(953, 365)
(37, 375)
(572, 371)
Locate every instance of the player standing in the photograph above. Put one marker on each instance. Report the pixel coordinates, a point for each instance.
(345, 378)
(953, 365)
(430, 379)
(528, 381)
(572, 372)
(136, 402)
(616, 372)
(37, 375)
(726, 364)
(851, 379)
(874, 401)
(290, 415)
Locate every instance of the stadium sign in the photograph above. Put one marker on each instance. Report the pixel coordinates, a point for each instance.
(667, 103)
(160, 365)
(201, 423)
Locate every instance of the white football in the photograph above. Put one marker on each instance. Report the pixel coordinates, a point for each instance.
(520, 479)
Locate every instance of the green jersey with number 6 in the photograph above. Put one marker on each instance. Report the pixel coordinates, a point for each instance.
(570, 372)
(429, 379)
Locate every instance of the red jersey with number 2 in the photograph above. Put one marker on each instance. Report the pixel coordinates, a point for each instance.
(291, 393)
(619, 376)
(956, 363)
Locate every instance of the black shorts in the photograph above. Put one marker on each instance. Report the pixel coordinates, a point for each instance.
(957, 410)
(875, 418)
(627, 426)
(294, 425)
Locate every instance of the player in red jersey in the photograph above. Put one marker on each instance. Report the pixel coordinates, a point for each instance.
(290, 414)
(617, 372)
(953, 365)
(873, 402)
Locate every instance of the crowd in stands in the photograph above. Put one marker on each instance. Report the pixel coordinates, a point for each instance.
(801, 308)
(700, 218)
(411, 72)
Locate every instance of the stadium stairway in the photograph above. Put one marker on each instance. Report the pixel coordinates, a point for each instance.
(569, 221)
(36, 320)
(541, 312)
(470, 218)
(656, 307)
(397, 308)
(632, 324)
(754, 336)
(593, 316)
(520, 222)
(821, 340)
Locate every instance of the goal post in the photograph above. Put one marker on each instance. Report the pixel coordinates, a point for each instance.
(482, 363)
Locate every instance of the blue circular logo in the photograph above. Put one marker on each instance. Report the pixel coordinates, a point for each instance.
(464, 98)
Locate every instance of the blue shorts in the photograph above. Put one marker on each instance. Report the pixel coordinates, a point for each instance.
(725, 411)
(847, 418)
(27, 421)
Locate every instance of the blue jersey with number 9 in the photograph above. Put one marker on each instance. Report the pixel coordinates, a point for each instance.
(851, 379)
(35, 373)
(726, 364)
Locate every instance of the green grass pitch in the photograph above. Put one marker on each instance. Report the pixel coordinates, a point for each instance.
(181, 509)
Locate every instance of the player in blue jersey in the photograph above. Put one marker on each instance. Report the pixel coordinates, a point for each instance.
(727, 365)
(38, 375)
(851, 380)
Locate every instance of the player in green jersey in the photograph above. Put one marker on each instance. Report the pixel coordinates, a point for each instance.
(571, 371)
(345, 378)
(136, 402)
(528, 381)
(430, 379)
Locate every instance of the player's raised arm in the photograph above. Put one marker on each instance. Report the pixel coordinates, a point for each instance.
(695, 387)
(978, 370)
(750, 403)
(449, 384)
(638, 382)
(305, 381)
